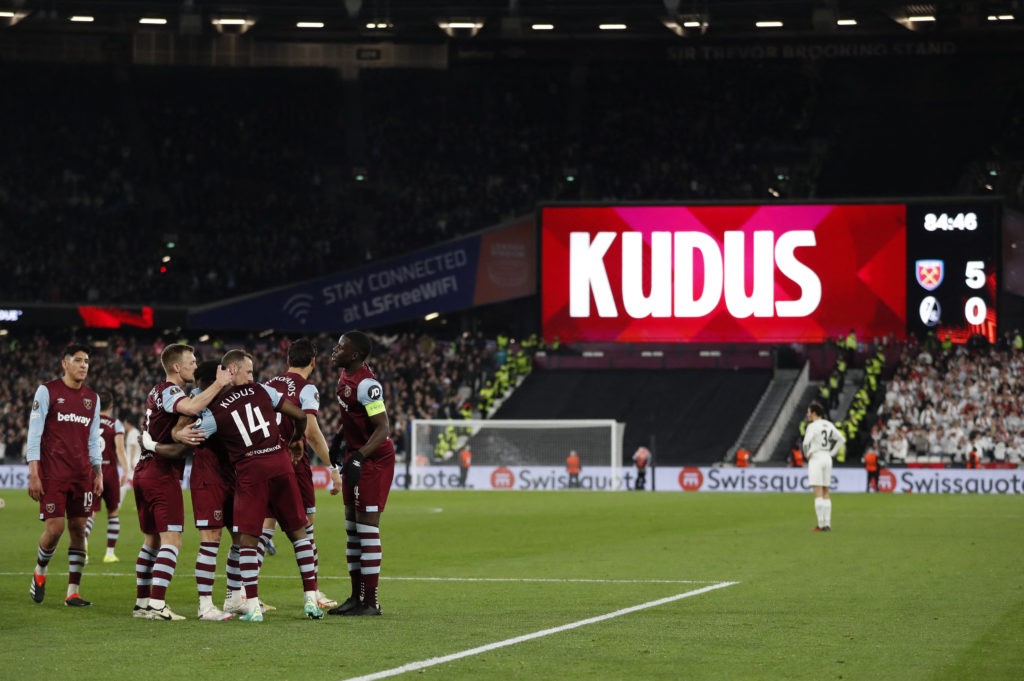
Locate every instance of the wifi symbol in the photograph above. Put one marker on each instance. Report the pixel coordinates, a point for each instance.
(298, 306)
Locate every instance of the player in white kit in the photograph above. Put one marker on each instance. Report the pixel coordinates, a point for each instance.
(822, 441)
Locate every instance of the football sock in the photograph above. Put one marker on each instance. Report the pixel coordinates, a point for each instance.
(206, 566)
(352, 552)
(265, 538)
(163, 573)
(249, 564)
(369, 562)
(113, 532)
(234, 575)
(827, 512)
(307, 567)
(76, 561)
(88, 526)
(819, 510)
(144, 571)
(43, 558)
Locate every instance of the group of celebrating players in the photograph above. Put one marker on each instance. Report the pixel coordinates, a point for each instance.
(250, 471)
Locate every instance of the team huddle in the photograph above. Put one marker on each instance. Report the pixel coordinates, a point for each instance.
(250, 472)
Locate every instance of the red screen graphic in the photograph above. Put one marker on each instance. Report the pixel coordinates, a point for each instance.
(717, 274)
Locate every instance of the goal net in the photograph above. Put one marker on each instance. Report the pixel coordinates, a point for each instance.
(515, 454)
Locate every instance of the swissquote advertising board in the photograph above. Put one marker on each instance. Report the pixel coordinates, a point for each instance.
(674, 479)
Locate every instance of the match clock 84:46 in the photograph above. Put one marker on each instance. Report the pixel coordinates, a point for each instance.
(953, 268)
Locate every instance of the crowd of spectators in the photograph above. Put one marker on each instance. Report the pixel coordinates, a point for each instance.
(946, 400)
(298, 173)
(423, 377)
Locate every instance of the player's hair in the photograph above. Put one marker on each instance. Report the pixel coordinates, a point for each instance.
(234, 357)
(362, 342)
(106, 399)
(301, 352)
(816, 408)
(206, 372)
(172, 355)
(73, 348)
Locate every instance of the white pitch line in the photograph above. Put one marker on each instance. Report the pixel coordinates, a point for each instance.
(434, 661)
(551, 580)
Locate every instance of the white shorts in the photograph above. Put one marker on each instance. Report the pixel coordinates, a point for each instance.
(819, 470)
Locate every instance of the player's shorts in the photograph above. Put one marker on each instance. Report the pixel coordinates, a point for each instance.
(304, 476)
(65, 498)
(111, 489)
(819, 470)
(371, 494)
(158, 499)
(265, 487)
(213, 496)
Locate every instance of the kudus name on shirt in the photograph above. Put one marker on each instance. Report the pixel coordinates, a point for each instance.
(235, 395)
(675, 258)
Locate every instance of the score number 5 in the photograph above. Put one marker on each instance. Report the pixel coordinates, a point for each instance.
(974, 276)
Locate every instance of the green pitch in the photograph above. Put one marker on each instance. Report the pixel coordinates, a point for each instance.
(905, 587)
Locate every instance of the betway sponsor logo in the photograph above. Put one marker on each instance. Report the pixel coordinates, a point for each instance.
(675, 258)
(73, 418)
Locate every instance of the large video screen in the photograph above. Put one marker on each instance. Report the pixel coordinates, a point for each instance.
(751, 273)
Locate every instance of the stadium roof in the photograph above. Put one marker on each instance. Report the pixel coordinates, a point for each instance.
(419, 20)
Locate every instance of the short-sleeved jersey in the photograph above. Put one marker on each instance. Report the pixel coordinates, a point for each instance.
(211, 457)
(641, 457)
(821, 437)
(243, 419)
(109, 429)
(160, 419)
(361, 396)
(70, 419)
(299, 392)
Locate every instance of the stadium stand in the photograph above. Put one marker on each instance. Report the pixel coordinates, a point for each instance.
(941, 404)
(423, 377)
(319, 176)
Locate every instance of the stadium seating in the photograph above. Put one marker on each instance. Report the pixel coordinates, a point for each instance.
(313, 174)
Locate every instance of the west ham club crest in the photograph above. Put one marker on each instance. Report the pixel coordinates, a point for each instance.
(930, 273)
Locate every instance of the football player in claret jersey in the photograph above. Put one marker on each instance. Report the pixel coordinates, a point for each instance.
(158, 480)
(822, 441)
(212, 482)
(243, 420)
(64, 467)
(364, 444)
(112, 431)
(296, 387)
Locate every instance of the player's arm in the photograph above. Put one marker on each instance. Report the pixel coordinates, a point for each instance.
(36, 419)
(96, 451)
(120, 451)
(191, 406)
(839, 441)
(299, 418)
(316, 439)
(184, 434)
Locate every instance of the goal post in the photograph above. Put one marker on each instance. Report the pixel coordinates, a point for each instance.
(515, 453)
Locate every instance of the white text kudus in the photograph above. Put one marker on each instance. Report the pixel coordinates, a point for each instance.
(672, 288)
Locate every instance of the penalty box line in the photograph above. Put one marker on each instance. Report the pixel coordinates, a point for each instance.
(434, 661)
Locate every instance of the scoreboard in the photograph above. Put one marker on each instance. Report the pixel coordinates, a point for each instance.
(769, 273)
(953, 268)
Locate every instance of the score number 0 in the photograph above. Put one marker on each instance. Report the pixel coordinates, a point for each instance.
(975, 308)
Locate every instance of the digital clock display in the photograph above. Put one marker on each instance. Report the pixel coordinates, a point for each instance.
(953, 269)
